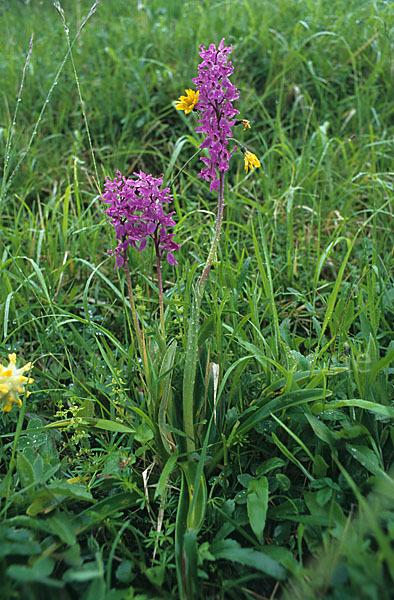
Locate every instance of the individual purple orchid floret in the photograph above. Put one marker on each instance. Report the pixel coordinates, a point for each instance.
(136, 212)
(216, 94)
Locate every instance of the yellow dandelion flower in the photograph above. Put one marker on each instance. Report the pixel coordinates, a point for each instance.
(251, 161)
(12, 383)
(188, 102)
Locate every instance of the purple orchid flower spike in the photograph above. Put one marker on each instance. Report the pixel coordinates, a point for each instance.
(216, 94)
(136, 212)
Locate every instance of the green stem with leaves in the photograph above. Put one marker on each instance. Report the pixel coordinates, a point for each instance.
(160, 286)
(189, 377)
(140, 336)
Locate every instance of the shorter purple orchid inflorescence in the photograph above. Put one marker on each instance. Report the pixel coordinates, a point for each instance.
(136, 212)
(216, 95)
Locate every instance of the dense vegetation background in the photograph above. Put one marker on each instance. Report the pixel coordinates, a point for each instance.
(299, 306)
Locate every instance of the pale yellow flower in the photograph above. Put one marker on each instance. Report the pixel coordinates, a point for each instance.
(251, 161)
(188, 102)
(12, 383)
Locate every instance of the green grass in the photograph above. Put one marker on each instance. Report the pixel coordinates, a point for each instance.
(296, 498)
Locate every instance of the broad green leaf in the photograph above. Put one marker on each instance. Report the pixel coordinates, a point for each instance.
(380, 409)
(244, 479)
(156, 574)
(105, 424)
(61, 526)
(190, 558)
(257, 503)
(352, 432)
(110, 426)
(257, 413)
(383, 363)
(44, 503)
(71, 490)
(270, 465)
(231, 550)
(38, 467)
(166, 472)
(56, 493)
(165, 374)
(143, 433)
(180, 529)
(124, 572)
(283, 481)
(90, 570)
(25, 470)
(283, 555)
(39, 572)
(102, 510)
(321, 430)
(319, 468)
(17, 541)
(367, 458)
(197, 496)
(190, 516)
(97, 590)
(323, 496)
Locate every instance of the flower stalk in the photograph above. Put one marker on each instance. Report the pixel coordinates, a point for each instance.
(160, 285)
(140, 336)
(215, 242)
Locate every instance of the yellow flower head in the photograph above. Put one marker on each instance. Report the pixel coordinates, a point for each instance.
(12, 383)
(188, 102)
(251, 161)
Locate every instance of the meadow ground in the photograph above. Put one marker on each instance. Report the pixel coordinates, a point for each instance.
(269, 475)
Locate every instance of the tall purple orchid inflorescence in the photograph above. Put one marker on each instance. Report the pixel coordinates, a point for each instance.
(216, 94)
(213, 103)
(136, 212)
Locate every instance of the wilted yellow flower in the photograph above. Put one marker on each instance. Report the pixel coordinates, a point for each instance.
(12, 383)
(244, 122)
(77, 479)
(188, 102)
(251, 161)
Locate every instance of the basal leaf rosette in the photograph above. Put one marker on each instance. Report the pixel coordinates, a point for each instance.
(12, 383)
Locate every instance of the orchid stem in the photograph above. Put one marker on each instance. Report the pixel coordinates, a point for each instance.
(219, 220)
(140, 336)
(160, 285)
(192, 334)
